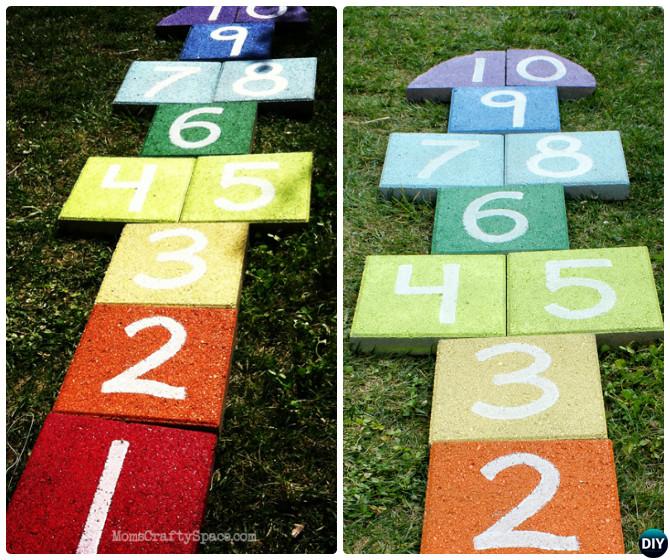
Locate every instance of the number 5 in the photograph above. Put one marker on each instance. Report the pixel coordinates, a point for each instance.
(555, 283)
(228, 179)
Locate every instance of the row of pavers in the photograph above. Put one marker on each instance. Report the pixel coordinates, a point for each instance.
(123, 462)
(519, 455)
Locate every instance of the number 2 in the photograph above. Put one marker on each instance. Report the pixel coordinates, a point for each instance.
(527, 376)
(458, 147)
(503, 533)
(128, 381)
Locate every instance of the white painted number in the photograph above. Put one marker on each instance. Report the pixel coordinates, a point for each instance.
(238, 37)
(251, 11)
(260, 72)
(473, 213)
(229, 179)
(517, 102)
(181, 123)
(141, 187)
(214, 15)
(559, 68)
(128, 381)
(448, 289)
(525, 376)
(503, 533)
(179, 72)
(102, 499)
(571, 151)
(555, 283)
(478, 73)
(457, 147)
(186, 255)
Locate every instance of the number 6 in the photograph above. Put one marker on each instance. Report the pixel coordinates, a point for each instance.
(473, 214)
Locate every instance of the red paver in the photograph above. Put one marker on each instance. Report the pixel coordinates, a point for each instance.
(185, 386)
(463, 503)
(162, 478)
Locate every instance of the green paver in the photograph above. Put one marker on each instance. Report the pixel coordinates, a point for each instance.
(480, 392)
(609, 292)
(201, 129)
(137, 190)
(500, 219)
(253, 188)
(177, 264)
(463, 296)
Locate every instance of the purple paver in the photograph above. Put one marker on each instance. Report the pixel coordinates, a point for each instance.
(182, 19)
(544, 68)
(278, 14)
(481, 68)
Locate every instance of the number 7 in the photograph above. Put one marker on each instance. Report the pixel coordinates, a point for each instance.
(458, 147)
(179, 73)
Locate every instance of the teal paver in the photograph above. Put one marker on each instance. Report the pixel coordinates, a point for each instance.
(498, 110)
(270, 80)
(500, 219)
(586, 163)
(607, 292)
(201, 130)
(406, 303)
(153, 82)
(417, 165)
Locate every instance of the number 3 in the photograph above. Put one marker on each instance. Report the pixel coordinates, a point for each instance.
(503, 533)
(526, 376)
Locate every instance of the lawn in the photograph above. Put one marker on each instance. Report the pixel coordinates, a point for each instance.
(275, 468)
(387, 398)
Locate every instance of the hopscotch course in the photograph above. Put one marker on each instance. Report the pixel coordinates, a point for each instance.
(519, 458)
(156, 352)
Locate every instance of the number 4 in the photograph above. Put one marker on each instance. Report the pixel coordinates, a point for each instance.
(448, 289)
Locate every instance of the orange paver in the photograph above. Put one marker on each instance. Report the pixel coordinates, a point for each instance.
(468, 511)
(180, 358)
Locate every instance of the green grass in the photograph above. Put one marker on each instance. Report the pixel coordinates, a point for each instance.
(387, 399)
(276, 461)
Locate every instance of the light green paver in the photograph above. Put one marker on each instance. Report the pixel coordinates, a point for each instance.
(500, 219)
(252, 188)
(128, 189)
(177, 264)
(482, 392)
(407, 303)
(205, 129)
(609, 292)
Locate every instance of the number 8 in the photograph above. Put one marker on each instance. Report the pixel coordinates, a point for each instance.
(258, 72)
(584, 162)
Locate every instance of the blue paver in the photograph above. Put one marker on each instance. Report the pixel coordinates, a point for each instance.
(586, 163)
(275, 79)
(418, 164)
(235, 41)
(167, 81)
(504, 110)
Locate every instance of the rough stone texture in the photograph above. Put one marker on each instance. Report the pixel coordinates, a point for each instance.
(289, 15)
(192, 15)
(408, 157)
(294, 80)
(469, 114)
(136, 254)
(162, 486)
(204, 42)
(576, 82)
(235, 121)
(201, 365)
(635, 315)
(143, 76)
(462, 503)
(543, 207)
(436, 84)
(90, 202)
(606, 177)
(463, 378)
(387, 321)
(291, 184)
